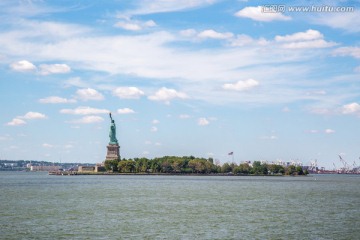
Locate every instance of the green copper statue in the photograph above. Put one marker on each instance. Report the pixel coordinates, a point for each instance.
(112, 133)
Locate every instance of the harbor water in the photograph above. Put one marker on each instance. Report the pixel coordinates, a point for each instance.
(35, 205)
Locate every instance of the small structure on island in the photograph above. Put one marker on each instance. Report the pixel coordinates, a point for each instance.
(113, 148)
(113, 152)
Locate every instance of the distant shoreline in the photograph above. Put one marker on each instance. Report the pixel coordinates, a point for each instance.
(75, 173)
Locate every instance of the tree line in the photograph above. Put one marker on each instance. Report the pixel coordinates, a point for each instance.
(191, 164)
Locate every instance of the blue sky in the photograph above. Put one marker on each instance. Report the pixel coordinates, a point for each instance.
(199, 77)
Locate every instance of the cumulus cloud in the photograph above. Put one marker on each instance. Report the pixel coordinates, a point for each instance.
(153, 129)
(329, 131)
(241, 85)
(347, 51)
(28, 116)
(88, 119)
(155, 121)
(16, 122)
(188, 32)
(167, 94)
(128, 92)
(128, 26)
(89, 94)
(300, 40)
(23, 66)
(55, 100)
(241, 40)
(46, 69)
(256, 13)
(351, 108)
(215, 35)
(33, 115)
(132, 25)
(203, 122)
(84, 111)
(300, 36)
(125, 111)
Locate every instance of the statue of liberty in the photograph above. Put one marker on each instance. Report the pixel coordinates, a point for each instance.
(112, 133)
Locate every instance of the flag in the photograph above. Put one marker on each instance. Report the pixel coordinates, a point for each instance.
(231, 153)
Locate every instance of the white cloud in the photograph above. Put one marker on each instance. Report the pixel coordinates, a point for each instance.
(88, 119)
(347, 51)
(241, 85)
(46, 69)
(155, 121)
(144, 7)
(16, 122)
(241, 40)
(319, 43)
(125, 111)
(88, 94)
(203, 122)
(34, 115)
(167, 94)
(47, 145)
(128, 26)
(29, 116)
(153, 129)
(84, 111)
(23, 66)
(128, 92)
(158, 144)
(150, 23)
(256, 13)
(300, 36)
(300, 40)
(215, 35)
(132, 25)
(55, 99)
(188, 32)
(351, 108)
(329, 131)
(198, 71)
(347, 21)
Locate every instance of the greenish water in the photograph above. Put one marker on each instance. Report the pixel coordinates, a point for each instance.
(39, 206)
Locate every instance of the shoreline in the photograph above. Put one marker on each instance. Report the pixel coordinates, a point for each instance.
(75, 173)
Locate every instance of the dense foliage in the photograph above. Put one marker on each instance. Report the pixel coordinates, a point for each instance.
(173, 164)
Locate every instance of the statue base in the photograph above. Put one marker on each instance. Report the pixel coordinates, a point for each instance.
(113, 152)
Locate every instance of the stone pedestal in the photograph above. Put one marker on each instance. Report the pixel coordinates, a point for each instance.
(113, 152)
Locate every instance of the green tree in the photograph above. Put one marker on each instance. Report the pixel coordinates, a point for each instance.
(111, 165)
(226, 168)
(290, 170)
(126, 166)
(299, 170)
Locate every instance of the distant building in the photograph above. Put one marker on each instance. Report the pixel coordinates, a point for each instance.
(45, 168)
(99, 167)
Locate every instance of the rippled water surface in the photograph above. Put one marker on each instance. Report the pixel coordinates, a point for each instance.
(39, 206)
